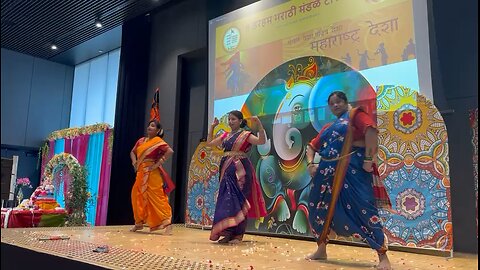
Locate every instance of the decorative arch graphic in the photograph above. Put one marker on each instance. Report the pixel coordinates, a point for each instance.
(413, 162)
(203, 184)
(76, 194)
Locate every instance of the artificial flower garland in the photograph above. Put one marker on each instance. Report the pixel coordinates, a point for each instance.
(77, 131)
(70, 133)
(77, 195)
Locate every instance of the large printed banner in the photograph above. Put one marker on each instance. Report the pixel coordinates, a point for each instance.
(291, 102)
(279, 60)
(376, 38)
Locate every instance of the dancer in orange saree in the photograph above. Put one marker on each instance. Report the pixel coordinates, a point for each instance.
(239, 195)
(152, 183)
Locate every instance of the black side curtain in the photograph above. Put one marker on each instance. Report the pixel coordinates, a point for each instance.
(129, 116)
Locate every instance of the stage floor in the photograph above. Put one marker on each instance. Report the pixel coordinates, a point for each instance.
(190, 248)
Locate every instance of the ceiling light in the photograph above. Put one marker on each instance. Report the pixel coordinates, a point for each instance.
(100, 51)
(98, 23)
(53, 47)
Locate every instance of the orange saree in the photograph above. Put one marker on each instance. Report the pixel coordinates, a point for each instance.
(149, 194)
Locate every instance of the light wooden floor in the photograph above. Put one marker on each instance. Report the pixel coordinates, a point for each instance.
(190, 249)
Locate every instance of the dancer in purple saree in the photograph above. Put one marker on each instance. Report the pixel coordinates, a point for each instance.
(240, 195)
(345, 192)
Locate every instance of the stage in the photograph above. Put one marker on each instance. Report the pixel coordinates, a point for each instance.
(189, 248)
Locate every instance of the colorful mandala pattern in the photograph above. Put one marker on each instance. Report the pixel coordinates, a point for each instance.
(211, 192)
(196, 202)
(391, 97)
(410, 204)
(407, 119)
(413, 162)
(474, 125)
(202, 188)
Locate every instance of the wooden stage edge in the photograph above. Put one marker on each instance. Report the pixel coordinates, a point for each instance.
(189, 248)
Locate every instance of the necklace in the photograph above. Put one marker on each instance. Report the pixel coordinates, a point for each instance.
(233, 133)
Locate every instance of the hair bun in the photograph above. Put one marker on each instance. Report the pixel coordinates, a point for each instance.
(243, 123)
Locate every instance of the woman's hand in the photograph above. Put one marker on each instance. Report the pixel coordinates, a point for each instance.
(312, 169)
(368, 166)
(210, 140)
(256, 122)
(134, 164)
(157, 165)
(215, 123)
(153, 167)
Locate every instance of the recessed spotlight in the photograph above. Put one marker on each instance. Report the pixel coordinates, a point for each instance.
(100, 51)
(98, 23)
(53, 47)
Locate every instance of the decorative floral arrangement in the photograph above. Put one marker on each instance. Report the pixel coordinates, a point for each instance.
(43, 153)
(42, 192)
(24, 182)
(74, 132)
(71, 133)
(62, 158)
(77, 195)
(20, 184)
(110, 140)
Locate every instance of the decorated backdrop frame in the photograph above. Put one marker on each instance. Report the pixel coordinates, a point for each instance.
(77, 196)
(426, 167)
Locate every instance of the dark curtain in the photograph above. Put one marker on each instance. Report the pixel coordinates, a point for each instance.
(129, 116)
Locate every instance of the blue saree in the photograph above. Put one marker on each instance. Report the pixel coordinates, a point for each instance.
(342, 192)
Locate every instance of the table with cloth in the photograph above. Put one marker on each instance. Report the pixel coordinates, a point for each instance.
(26, 218)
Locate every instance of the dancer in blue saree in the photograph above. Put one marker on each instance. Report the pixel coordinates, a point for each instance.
(345, 194)
(239, 195)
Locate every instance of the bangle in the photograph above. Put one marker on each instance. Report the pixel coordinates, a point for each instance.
(367, 161)
(368, 158)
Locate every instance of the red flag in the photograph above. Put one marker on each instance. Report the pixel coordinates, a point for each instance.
(154, 111)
